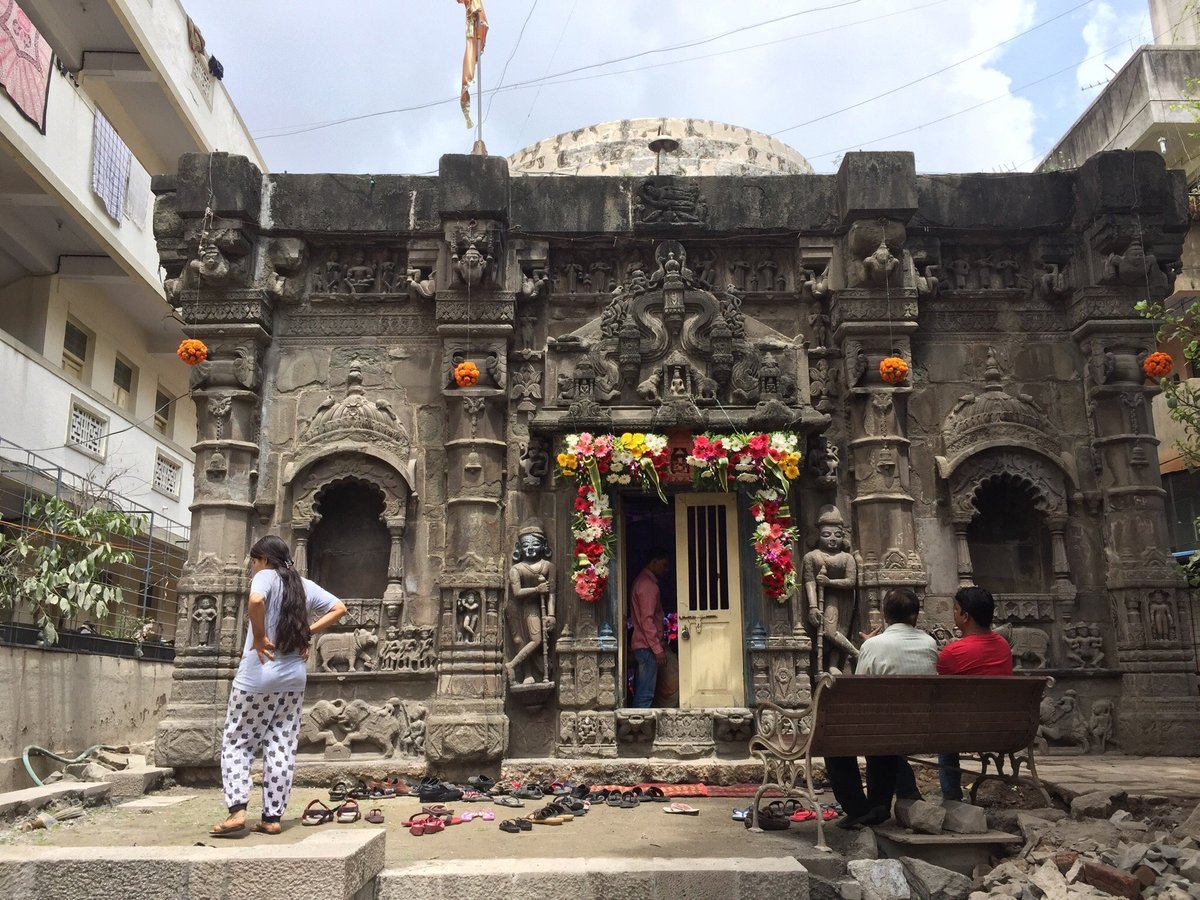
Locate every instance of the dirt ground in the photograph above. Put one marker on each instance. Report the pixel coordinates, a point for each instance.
(643, 832)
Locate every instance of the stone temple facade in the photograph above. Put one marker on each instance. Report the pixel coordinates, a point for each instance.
(1017, 454)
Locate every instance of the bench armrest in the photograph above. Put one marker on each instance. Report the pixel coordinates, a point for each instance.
(780, 731)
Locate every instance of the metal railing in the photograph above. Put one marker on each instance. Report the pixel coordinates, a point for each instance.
(143, 622)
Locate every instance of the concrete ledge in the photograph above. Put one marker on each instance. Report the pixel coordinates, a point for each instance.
(332, 865)
(18, 803)
(583, 879)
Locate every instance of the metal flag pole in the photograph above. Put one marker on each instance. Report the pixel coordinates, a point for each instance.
(480, 149)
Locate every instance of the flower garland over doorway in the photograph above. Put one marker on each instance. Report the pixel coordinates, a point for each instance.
(765, 464)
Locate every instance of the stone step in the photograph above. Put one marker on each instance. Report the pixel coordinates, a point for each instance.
(18, 803)
(780, 878)
(128, 784)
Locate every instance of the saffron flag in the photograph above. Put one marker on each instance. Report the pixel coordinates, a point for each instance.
(25, 60)
(477, 29)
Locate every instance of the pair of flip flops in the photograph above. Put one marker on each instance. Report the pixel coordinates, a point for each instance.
(828, 813)
(485, 815)
(507, 800)
(424, 823)
(516, 826)
(317, 813)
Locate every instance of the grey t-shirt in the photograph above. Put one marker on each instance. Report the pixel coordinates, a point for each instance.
(287, 671)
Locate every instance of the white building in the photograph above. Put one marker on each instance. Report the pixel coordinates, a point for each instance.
(87, 338)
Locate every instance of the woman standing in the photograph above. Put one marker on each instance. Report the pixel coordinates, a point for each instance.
(266, 701)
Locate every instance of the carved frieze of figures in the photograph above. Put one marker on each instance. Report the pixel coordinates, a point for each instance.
(407, 649)
(387, 729)
(363, 272)
(669, 201)
(352, 649)
(1030, 646)
(979, 269)
(1083, 645)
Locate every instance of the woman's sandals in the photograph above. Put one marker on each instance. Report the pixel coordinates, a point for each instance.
(316, 813)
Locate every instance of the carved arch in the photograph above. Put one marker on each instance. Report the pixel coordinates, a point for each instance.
(1047, 482)
(313, 480)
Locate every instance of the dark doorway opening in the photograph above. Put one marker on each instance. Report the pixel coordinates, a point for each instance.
(349, 547)
(649, 524)
(1009, 541)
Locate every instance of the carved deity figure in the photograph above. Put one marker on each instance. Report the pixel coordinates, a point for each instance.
(361, 275)
(531, 610)
(210, 267)
(203, 620)
(830, 576)
(468, 617)
(1100, 726)
(1162, 619)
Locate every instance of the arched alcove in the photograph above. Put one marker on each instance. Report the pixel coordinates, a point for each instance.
(349, 546)
(1009, 541)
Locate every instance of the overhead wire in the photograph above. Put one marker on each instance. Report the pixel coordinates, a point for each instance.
(504, 71)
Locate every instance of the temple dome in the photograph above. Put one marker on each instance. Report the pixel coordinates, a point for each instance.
(622, 148)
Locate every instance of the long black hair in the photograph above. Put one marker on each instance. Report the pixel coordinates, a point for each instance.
(291, 633)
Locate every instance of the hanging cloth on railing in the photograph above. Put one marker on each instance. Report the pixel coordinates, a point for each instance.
(25, 60)
(110, 167)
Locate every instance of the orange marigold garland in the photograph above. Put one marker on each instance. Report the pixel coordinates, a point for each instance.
(466, 374)
(893, 369)
(1158, 365)
(192, 351)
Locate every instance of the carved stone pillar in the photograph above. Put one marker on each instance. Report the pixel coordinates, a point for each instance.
(874, 311)
(475, 314)
(1133, 229)
(394, 592)
(211, 262)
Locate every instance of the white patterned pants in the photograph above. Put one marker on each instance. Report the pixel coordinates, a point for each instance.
(270, 722)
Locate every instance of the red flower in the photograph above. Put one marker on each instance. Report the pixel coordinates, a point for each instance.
(759, 445)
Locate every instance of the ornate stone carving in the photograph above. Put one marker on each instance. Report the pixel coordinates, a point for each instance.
(473, 250)
(467, 612)
(526, 387)
(684, 733)
(587, 733)
(829, 573)
(395, 726)
(1083, 644)
(874, 250)
(530, 613)
(1100, 725)
(1064, 726)
(535, 462)
(352, 648)
(733, 727)
(823, 461)
(1134, 266)
(669, 201)
(204, 619)
(1030, 646)
(407, 649)
(635, 726)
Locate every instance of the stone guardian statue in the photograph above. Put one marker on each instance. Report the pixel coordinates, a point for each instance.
(531, 608)
(830, 577)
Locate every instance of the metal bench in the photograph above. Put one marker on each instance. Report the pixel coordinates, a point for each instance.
(993, 719)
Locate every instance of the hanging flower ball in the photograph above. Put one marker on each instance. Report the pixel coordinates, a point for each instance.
(893, 369)
(1158, 364)
(466, 374)
(192, 351)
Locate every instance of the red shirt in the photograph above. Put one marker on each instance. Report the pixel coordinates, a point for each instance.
(645, 608)
(976, 654)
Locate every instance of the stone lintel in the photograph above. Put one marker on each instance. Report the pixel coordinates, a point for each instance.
(231, 184)
(873, 185)
(473, 187)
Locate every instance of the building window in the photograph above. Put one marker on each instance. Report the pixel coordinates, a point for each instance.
(75, 350)
(85, 432)
(162, 412)
(123, 381)
(166, 475)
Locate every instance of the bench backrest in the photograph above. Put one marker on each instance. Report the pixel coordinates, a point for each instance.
(873, 715)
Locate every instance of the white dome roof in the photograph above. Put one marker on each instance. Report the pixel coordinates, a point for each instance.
(623, 149)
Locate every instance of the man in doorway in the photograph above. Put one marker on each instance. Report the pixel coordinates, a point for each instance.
(980, 651)
(900, 649)
(646, 613)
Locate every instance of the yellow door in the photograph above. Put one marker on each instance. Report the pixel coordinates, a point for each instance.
(708, 588)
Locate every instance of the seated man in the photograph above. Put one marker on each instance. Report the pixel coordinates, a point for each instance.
(980, 651)
(901, 649)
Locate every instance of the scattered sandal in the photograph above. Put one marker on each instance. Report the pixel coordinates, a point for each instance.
(547, 815)
(425, 824)
(375, 816)
(511, 826)
(681, 809)
(506, 800)
(347, 812)
(316, 813)
(337, 793)
(359, 791)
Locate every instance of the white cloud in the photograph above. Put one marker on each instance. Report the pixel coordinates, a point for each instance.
(1108, 36)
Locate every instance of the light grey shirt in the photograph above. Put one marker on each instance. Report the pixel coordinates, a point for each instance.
(287, 671)
(899, 650)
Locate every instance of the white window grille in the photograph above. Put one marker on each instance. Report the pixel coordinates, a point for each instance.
(85, 431)
(166, 475)
(202, 77)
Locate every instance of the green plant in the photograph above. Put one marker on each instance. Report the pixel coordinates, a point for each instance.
(59, 559)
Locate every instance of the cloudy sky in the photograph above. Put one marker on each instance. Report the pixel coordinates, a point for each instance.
(968, 85)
